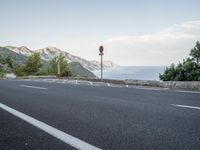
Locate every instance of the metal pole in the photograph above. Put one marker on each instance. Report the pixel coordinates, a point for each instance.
(101, 67)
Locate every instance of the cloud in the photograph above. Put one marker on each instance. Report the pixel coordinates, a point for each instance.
(162, 48)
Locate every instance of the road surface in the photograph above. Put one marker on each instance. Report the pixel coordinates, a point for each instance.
(62, 114)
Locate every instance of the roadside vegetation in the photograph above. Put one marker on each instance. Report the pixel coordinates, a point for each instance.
(188, 70)
(53, 66)
(34, 66)
(6, 65)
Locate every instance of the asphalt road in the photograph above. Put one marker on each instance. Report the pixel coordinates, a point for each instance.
(107, 117)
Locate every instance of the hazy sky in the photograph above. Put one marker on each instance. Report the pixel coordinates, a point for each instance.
(133, 32)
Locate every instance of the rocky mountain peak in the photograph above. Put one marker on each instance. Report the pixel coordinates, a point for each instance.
(20, 50)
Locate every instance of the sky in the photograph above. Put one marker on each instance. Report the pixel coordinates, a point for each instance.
(133, 32)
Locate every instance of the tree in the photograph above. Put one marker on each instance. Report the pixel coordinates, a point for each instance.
(195, 52)
(170, 73)
(19, 70)
(188, 70)
(64, 68)
(9, 61)
(33, 64)
(2, 61)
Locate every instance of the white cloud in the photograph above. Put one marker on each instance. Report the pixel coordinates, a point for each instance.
(162, 48)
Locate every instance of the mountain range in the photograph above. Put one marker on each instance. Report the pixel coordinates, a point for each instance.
(49, 53)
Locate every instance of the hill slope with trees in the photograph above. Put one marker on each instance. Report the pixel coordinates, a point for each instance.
(23, 65)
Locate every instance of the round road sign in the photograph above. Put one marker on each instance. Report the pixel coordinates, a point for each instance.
(101, 49)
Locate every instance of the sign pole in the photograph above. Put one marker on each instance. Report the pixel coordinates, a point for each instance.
(101, 54)
(101, 67)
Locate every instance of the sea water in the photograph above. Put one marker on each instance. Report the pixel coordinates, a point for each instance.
(132, 72)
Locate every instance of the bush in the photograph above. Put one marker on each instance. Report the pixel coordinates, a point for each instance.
(19, 71)
(41, 73)
(1, 74)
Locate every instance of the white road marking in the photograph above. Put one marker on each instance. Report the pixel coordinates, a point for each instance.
(68, 81)
(115, 86)
(68, 139)
(141, 88)
(28, 79)
(47, 80)
(127, 85)
(108, 84)
(34, 87)
(54, 80)
(90, 83)
(184, 91)
(186, 106)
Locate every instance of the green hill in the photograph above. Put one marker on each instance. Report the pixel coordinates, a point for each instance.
(78, 70)
(17, 58)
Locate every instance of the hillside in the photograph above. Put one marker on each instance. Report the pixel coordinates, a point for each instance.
(76, 68)
(17, 58)
(49, 53)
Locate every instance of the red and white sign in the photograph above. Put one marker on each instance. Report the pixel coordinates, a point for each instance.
(101, 49)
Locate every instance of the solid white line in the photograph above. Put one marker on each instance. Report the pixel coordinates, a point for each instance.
(34, 87)
(68, 139)
(183, 91)
(186, 106)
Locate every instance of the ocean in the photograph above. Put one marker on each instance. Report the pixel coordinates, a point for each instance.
(132, 72)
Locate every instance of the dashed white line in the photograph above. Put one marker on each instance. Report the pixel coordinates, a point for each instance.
(54, 80)
(186, 106)
(34, 87)
(47, 80)
(141, 88)
(68, 139)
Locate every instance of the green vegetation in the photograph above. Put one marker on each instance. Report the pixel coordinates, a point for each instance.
(1, 69)
(16, 58)
(195, 52)
(33, 64)
(188, 70)
(22, 65)
(78, 70)
(6, 65)
(19, 70)
(9, 61)
(53, 68)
